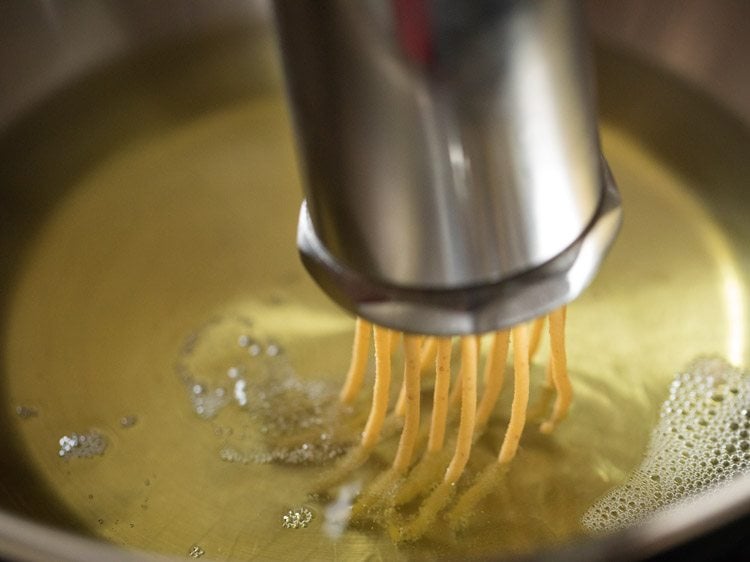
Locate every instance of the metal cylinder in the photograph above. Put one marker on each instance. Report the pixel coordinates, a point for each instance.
(451, 157)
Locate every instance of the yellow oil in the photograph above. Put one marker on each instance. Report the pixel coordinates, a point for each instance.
(196, 225)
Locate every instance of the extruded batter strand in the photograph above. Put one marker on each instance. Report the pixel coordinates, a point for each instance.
(360, 354)
(390, 496)
(535, 337)
(494, 375)
(426, 356)
(411, 413)
(440, 395)
(469, 347)
(383, 341)
(520, 395)
(558, 366)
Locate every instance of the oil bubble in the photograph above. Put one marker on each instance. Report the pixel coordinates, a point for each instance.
(82, 445)
(296, 518)
(195, 551)
(128, 421)
(26, 412)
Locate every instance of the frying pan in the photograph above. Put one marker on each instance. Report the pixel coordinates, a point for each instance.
(148, 203)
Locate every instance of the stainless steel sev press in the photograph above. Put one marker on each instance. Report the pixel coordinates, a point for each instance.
(454, 179)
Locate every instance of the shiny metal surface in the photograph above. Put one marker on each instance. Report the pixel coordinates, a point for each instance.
(705, 43)
(475, 309)
(451, 157)
(47, 44)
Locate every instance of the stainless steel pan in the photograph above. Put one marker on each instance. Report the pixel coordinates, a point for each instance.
(148, 197)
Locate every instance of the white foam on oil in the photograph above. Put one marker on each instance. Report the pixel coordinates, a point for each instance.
(701, 440)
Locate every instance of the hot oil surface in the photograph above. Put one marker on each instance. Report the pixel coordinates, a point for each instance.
(195, 226)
